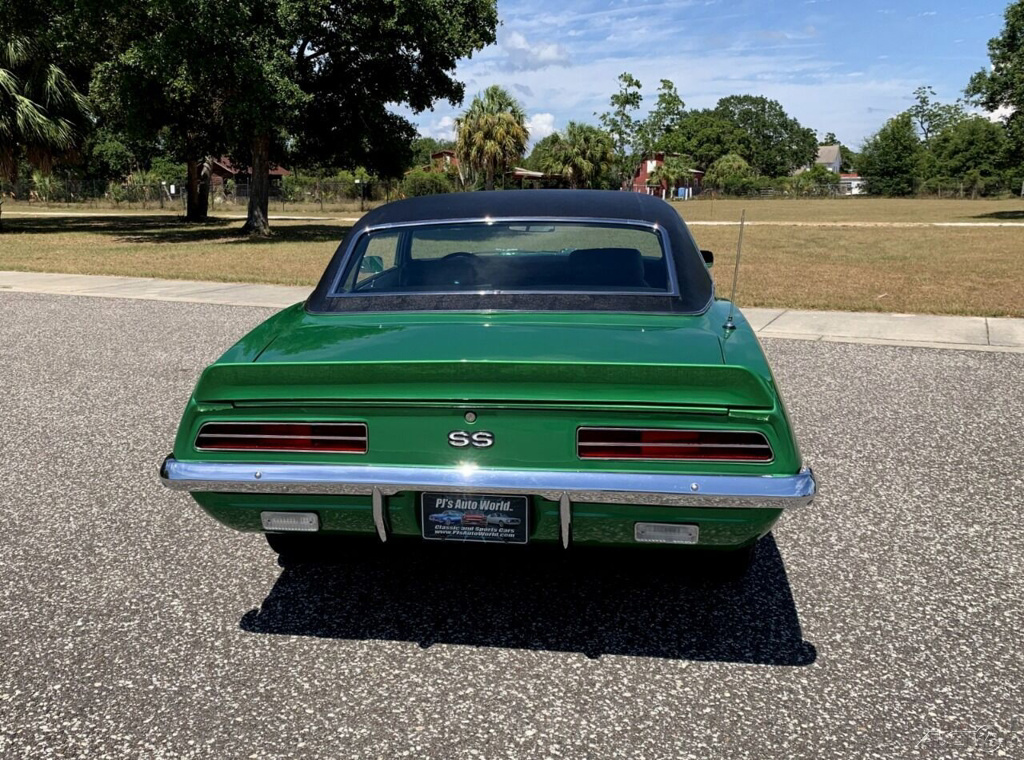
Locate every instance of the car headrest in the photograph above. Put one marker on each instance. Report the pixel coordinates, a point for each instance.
(608, 267)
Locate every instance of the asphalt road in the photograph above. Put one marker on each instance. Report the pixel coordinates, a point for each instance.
(884, 621)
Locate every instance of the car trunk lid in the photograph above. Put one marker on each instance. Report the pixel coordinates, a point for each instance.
(580, 359)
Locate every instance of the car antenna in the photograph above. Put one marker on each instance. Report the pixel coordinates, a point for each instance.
(729, 323)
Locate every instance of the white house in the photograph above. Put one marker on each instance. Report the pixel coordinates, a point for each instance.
(831, 157)
(852, 184)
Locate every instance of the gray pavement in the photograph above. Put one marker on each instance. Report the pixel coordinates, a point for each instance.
(883, 621)
(928, 331)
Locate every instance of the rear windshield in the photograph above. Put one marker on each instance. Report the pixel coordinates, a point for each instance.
(508, 257)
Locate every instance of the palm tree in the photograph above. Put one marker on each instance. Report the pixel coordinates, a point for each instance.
(581, 156)
(491, 134)
(38, 107)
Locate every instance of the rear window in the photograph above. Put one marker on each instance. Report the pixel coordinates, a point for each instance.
(508, 257)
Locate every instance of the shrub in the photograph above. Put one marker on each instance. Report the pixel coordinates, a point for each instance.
(419, 182)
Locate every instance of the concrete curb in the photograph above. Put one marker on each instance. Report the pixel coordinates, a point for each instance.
(997, 334)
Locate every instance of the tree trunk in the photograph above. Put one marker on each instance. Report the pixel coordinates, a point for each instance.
(489, 181)
(257, 222)
(197, 206)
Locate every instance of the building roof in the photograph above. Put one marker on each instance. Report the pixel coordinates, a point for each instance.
(224, 163)
(829, 154)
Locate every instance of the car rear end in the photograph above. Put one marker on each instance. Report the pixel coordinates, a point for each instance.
(579, 452)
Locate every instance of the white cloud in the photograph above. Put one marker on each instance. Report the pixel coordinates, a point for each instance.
(521, 55)
(439, 129)
(540, 125)
(562, 61)
(1001, 113)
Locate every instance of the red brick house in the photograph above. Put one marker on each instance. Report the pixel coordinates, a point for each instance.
(641, 182)
(221, 170)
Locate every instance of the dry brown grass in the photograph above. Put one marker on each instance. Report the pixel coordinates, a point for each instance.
(159, 246)
(976, 271)
(854, 210)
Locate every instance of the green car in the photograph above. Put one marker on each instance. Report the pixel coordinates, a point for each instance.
(550, 367)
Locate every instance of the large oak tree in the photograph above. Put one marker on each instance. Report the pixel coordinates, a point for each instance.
(315, 77)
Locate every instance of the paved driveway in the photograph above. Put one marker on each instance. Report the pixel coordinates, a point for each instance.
(884, 621)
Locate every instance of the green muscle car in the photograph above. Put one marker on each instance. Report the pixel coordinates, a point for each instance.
(554, 359)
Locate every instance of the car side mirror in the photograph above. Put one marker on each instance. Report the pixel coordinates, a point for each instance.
(371, 265)
(709, 258)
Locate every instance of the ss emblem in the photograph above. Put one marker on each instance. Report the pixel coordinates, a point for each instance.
(460, 439)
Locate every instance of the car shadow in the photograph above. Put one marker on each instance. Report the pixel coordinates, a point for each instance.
(597, 602)
(140, 228)
(1005, 216)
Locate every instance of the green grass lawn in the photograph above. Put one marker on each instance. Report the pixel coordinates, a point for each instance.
(977, 271)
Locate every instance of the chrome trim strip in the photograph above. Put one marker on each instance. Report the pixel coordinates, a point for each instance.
(332, 423)
(660, 231)
(654, 489)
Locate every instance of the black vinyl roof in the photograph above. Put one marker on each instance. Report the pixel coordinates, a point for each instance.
(597, 204)
(695, 284)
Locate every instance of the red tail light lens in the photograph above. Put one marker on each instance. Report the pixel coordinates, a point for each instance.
(336, 437)
(654, 443)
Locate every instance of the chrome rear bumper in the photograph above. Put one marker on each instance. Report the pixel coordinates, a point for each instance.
(737, 491)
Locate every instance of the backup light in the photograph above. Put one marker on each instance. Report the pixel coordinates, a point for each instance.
(665, 533)
(290, 522)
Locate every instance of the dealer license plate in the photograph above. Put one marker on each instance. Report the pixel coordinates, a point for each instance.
(475, 517)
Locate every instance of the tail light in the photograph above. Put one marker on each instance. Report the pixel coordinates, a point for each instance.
(655, 443)
(334, 437)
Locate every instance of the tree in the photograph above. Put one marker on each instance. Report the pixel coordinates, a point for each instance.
(491, 134)
(424, 147)
(974, 147)
(889, 158)
(621, 124)
(541, 152)
(931, 117)
(727, 172)
(705, 136)
(815, 180)
(43, 113)
(776, 144)
(1002, 86)
(667, 114)
(418, 182)
(581, 155)
(312, 80)
(41, 109)
(162, 79)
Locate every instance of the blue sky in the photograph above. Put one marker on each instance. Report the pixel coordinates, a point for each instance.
(836, 65)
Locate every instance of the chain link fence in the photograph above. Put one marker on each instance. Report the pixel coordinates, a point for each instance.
(55, 191)
(286, 194)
